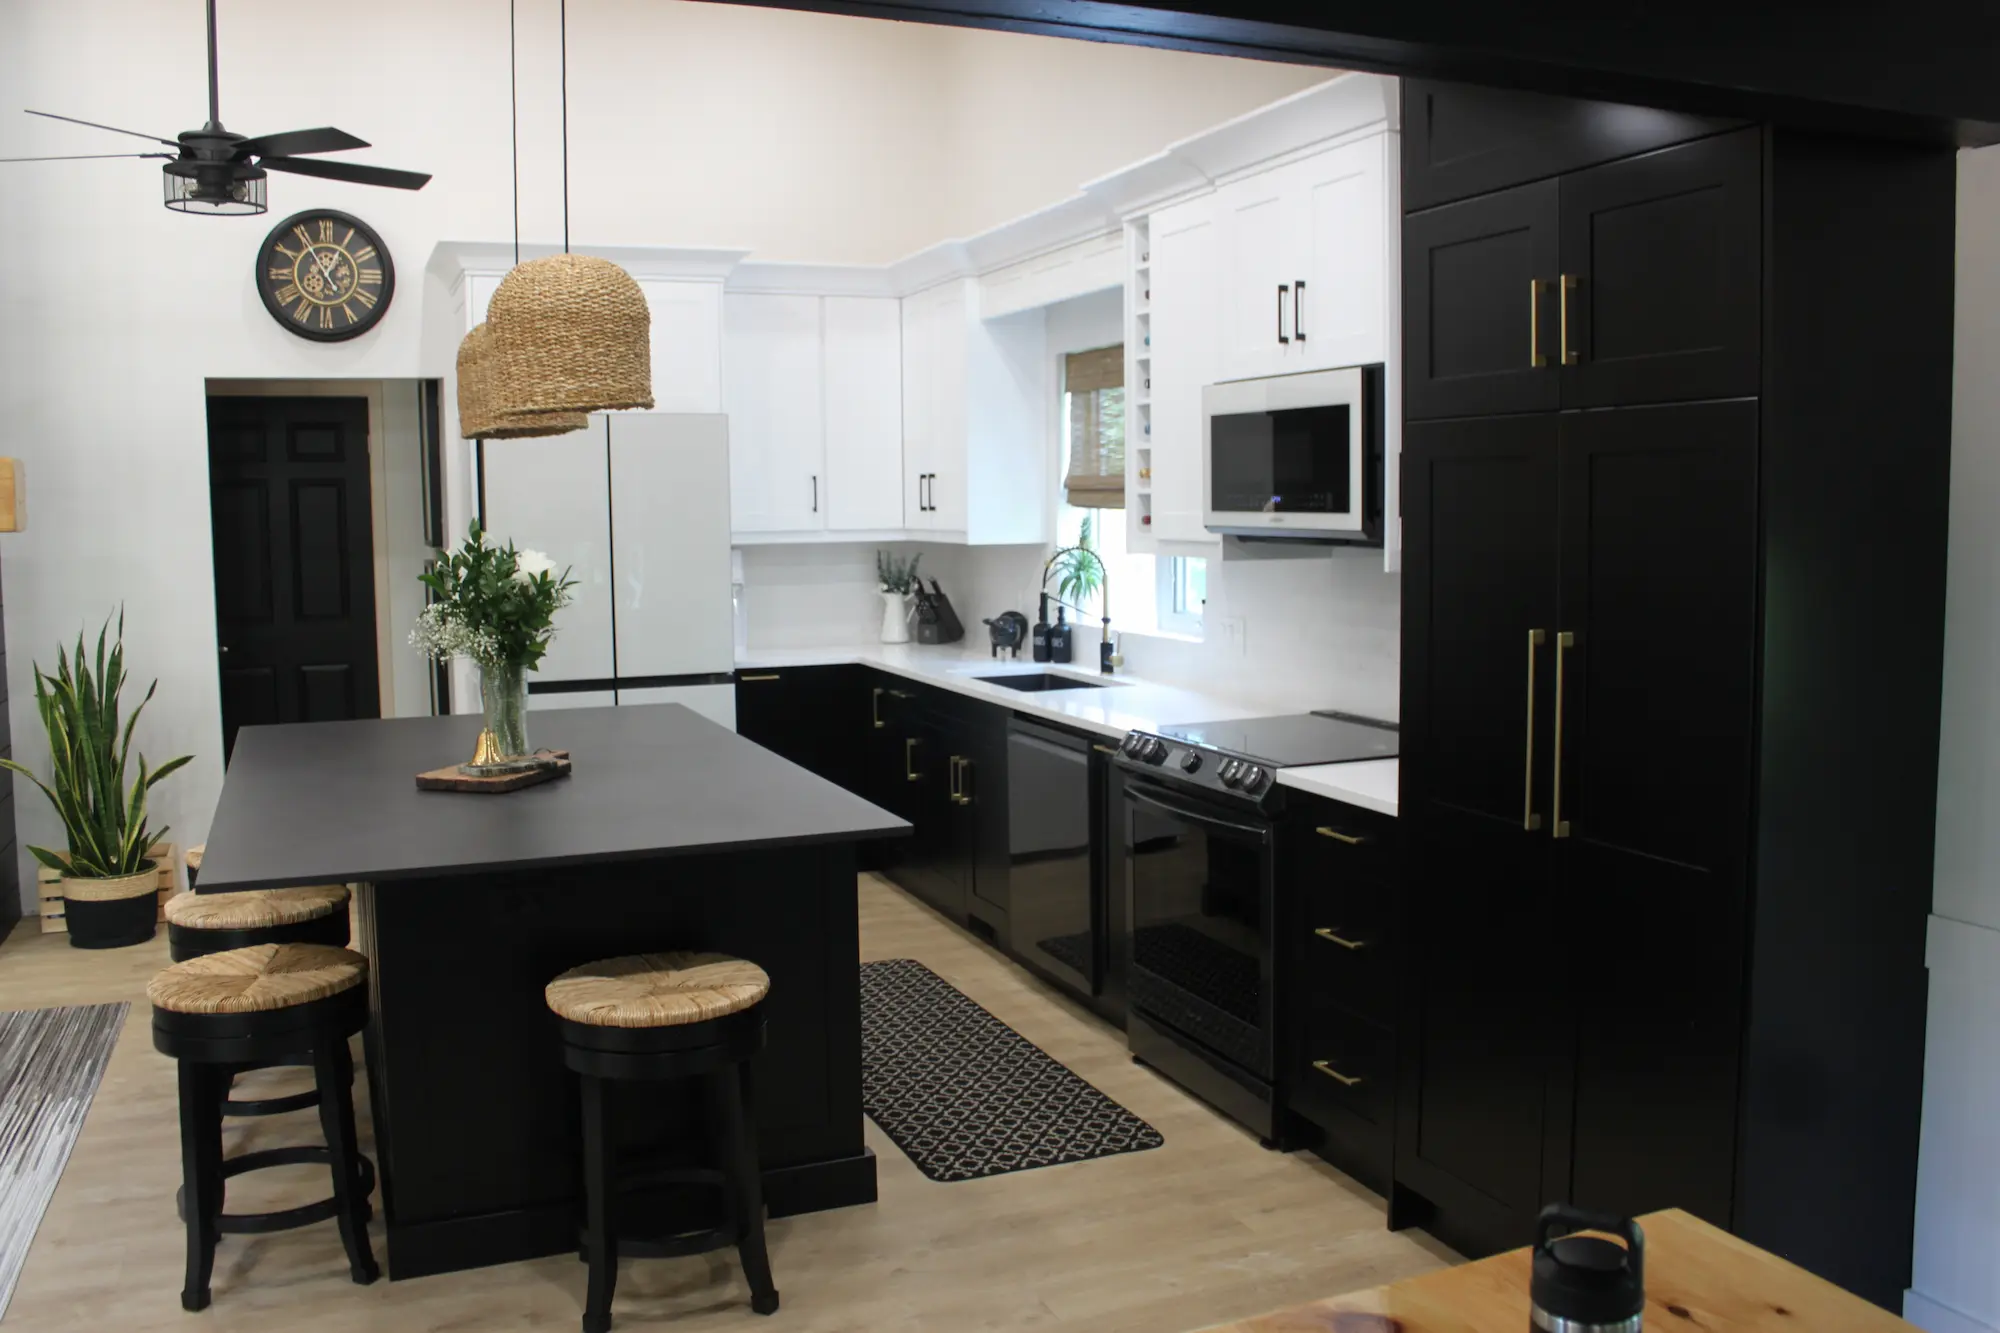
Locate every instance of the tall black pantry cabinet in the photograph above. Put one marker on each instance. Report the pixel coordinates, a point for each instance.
(1674, 499)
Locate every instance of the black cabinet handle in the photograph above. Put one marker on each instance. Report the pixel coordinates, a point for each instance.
(815, 492)
(1283, 287)
(1298, 324)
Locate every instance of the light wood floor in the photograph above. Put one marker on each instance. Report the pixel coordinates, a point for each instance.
(1208, 1228)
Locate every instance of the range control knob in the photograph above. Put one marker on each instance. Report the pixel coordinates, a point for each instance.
(1156, 752)
(1254, 779)
(1191, 761)
(1130, 745)
(1231, 772)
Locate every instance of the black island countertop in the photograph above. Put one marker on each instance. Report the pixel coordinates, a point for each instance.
(338, 801)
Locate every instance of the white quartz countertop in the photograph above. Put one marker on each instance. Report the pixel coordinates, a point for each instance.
(1125, 704)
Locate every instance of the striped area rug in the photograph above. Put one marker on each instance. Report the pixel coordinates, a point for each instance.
(51, 1061)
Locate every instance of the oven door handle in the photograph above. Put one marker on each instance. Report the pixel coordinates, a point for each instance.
(1147, 796)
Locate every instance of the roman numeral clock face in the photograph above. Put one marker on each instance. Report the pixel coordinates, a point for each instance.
(325, 275)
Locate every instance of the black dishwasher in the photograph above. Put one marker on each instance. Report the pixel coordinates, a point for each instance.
(1059, 827)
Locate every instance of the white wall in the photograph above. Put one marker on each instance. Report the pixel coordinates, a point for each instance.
(1956, 1284)
(798, 136)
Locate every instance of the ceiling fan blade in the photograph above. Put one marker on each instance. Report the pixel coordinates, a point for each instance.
(83, 157)
(293, 142)
(171, 143)
(349, 171)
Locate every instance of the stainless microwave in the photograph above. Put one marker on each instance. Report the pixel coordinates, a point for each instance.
(1295, 456)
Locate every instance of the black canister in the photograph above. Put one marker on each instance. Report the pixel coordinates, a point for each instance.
(1587, 1284)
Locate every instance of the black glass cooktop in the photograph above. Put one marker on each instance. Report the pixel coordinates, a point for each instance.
(1292, 742)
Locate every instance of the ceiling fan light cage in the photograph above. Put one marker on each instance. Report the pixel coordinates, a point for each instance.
(571, 333)
(476, 418)
(215, 190)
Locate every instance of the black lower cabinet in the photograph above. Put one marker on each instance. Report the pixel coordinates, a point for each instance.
(1338, 868)
(813, 716)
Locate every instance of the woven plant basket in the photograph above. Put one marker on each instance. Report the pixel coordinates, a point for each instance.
(112, 913)
(476, 418)
(571, 333)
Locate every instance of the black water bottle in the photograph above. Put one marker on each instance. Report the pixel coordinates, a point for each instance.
(1586, 1284)
(1040, 634)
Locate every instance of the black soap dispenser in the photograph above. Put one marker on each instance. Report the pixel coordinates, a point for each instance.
(1041, 631)
(1060, 647)
(1587, 1284)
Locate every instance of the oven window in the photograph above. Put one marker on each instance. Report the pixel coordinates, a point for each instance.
(1288, 462)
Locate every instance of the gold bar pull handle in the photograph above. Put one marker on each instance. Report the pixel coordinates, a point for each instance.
(1536, 357)
(910, 773)
(1564, 642)
(1111, 750)
(961, 768)
(773, 676)
(1331, 933)
(1351, 839)
(875, 709)
(1529, 819)
(1345, 1080)
(1568, 285)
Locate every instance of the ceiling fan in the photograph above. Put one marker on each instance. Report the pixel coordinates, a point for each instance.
(221, 173)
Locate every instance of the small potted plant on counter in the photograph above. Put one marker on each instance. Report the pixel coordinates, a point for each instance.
(110, 889)
(899, 580)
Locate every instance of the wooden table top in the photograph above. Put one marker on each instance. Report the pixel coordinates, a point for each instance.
(1698, 1278)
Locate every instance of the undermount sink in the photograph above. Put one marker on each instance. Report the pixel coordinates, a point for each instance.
(1042, 682)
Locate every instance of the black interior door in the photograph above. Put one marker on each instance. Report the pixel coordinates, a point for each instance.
(1479, 616)
(1659, 527)
(1479, 305)
(294, 560)
(1664, 251)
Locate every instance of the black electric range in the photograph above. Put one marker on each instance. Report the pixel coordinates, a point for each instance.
(1237, 761)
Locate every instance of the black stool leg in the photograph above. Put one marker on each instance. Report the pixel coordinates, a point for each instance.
(600, 1241)
(333, 1071)
(737, 1146)
(201, 1176)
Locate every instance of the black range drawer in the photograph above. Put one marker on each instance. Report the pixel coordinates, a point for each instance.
(1346, 1067)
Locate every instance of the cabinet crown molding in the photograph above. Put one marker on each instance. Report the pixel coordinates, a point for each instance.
(451, 260)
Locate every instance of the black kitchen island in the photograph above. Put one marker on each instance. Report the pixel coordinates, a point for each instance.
(672, 833)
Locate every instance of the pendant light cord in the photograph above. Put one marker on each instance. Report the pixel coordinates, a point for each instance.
(563, 21)
(514, 123)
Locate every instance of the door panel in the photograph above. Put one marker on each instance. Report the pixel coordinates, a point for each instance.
(1478, 332)
(686, 343)
(553, 496)
(771, 391)
(1480, 544)
(293, 545)
(1186, 295)
(863, 485)
(1340, 208)
(1255, 223)
(1659, 524)
(1665, 253)
(671, 556)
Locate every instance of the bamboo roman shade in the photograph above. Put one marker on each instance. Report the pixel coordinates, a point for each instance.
(1095, 381)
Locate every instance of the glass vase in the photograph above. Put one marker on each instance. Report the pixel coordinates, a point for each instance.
(503, 694)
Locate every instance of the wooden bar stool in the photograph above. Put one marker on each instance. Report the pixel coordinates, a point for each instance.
(652, 1017)
(223, 1012)
(210, 923)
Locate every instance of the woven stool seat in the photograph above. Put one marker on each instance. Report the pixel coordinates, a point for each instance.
(254, 980)
(654, 990)
(255, 909)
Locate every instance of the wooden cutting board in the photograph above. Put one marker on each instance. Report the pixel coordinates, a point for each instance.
(450, 779)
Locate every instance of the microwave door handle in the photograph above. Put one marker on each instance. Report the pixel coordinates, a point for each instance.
(1146, 796)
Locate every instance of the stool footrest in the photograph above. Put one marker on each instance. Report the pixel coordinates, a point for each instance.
(257, 1224)
(295, 1101)
(667, 1247)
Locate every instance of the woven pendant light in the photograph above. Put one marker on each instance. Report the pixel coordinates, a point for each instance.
(476, 418)
(571, 333)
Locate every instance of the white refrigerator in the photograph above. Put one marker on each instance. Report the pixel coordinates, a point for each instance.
(637, 508)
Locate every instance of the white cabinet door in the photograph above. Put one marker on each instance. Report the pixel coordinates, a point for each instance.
(479, 289)
(1186, 295)
(862, 488)
(1253, 267)
(954, 324)
(920, 420)
(670, 525)
(687, 344)
(772, 396)
(1336, 205)
(553, 495)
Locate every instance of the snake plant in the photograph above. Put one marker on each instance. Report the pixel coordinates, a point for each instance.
(88, 750)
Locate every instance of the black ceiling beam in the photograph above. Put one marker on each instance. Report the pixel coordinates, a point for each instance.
(1911, 69)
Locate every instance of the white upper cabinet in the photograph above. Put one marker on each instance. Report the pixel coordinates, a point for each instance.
(772, 393)
(687, 344)
(1187, 286)
(1303, 253)
(862, 489)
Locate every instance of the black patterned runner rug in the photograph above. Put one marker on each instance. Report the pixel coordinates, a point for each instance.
(966, 1096)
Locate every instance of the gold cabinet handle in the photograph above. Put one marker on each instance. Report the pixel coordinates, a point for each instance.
(1352, 840)
(1564, 642)
(875, 709)
(1328, 933)
(1568, 285)
(1536, 358)
(773, 676)
(910, 773)
(960, 766)
(1105, 749)
(1529, 819)
(1345, 1080)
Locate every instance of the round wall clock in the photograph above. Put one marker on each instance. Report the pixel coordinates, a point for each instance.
(325, 275)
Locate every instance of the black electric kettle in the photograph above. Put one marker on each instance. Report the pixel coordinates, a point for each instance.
(1586, 1284)
(1009, 630)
